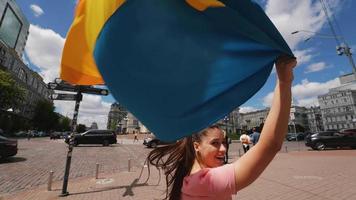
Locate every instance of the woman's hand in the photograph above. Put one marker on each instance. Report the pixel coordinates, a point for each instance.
(284, 68)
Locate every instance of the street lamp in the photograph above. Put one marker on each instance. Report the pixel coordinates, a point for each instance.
(341, 49)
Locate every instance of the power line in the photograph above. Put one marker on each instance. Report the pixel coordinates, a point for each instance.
(335, 21)
(323, 4)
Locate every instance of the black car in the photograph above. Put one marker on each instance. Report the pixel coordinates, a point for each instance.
(8, 147)
(94, 136)
(152, 142)
(295, 136)
(331, 139)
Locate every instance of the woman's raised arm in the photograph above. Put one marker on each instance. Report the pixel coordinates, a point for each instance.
(252, 164)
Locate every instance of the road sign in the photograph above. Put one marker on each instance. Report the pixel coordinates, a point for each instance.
(63, 86)
(66, 97)
(92, 90)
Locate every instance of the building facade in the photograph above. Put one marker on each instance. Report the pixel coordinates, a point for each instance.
(315, 120)
(338, 106)
(298, 119)
(230, 122)
(338, 109)
(252, 119)
(13, 23)
(14, 27)
(116, 114)
(122, 121)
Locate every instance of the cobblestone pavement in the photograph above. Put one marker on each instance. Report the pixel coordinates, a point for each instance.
(38, 156)
(296, 172)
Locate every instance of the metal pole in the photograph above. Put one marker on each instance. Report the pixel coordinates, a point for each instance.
(227, 143)
(349, 56)
(50, 178)
(70, 146)
(97, 171)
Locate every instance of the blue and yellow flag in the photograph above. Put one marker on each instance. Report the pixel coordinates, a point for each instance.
(177, 65)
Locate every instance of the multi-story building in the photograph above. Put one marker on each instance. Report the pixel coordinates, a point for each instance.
(230, 122)
(252, 119)
(122, 121)
(338, 106)
(315, 120)
(298, 118)
(116, 115)
(13, 35)
(14, 27)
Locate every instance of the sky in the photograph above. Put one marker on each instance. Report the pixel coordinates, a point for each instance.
(317, 71)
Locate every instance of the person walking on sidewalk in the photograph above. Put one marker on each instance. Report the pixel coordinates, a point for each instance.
(255, 136)
(135, 137)
(194, 166)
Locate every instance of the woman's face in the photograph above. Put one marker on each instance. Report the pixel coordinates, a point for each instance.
(211, 149)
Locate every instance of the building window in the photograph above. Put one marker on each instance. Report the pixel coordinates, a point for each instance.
(34, 83)
(22, 75)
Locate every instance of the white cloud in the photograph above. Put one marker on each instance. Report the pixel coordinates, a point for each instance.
(303, 56)
(37, 10)
(92, 109)
(306, 93)
(316, 67)
(267, 100)
(292, 15)
(247, 109)
(44, 49)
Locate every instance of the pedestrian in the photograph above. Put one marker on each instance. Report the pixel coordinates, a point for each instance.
(29, 135)
(135, 137)
(255, 136)
(245, 141)
(194, 166)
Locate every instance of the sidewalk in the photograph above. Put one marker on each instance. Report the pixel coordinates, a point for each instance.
(122, 185)
(311, 175)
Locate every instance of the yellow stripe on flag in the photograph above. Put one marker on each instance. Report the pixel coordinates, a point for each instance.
(78, 64)
(202, 5)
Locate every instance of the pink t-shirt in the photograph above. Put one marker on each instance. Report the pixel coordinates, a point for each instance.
(210, 183)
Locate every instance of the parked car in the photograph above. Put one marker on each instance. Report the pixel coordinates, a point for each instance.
(295, 136)
(21, 134)
(331, 139)
(8, 147)
(153, 142)
(94, 136)
(55, 135)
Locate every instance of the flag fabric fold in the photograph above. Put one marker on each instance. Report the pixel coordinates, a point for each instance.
(177, 65)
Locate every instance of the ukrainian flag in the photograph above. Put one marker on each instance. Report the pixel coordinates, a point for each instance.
(177, 65)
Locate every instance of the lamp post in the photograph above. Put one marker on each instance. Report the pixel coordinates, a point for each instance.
(226, 119)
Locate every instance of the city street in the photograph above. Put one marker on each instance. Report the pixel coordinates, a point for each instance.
(296, 172)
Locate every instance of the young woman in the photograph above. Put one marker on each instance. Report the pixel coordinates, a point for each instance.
(194, 165)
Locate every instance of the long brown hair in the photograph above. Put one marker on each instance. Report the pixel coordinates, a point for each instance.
(176, 160)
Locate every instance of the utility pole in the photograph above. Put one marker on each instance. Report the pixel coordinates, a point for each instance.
(341, 48)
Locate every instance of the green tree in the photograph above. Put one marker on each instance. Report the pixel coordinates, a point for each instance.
(11, 94)
(45, 119)
(81, 128)
(64, 124)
